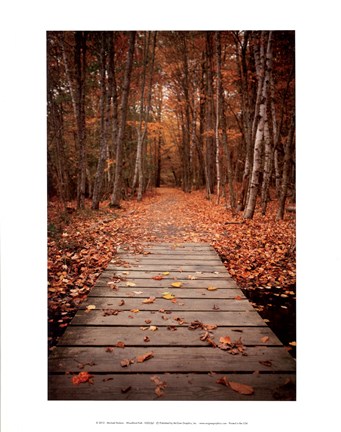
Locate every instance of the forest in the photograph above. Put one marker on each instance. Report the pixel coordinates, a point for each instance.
(131, 111)
(172, 136)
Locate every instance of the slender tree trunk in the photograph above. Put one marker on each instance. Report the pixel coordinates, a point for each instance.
(116, 195)
(267, 165)
(257, 155)
(68, 76)
(146, 119)
(286, 170)
(209, 114)
(218, 111)
(80, 63)
(96, 196)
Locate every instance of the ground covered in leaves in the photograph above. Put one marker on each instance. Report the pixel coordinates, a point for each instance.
(260, 254)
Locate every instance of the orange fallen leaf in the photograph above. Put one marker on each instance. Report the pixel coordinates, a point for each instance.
(237, 387)
(241, 388)
(120, 344)
(225, 340)
(82, 377)
(264, 339)
(149, 300)
(144, 357)
(238, 297)
(135, 310)
(211, 288)
(126, 362)
(158, 277)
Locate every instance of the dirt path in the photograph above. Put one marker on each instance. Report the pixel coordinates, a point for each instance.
(170, 217)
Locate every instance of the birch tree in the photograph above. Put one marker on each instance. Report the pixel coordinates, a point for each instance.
(257, 154)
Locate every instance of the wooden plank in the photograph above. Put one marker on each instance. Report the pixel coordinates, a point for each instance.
(166, 282)
(172, 359)
(191, 304)
(172, 259)
(134, 336)
(178, 387)
(179, 355)
(104, 290)
(200, 268)
(148, 274)
(96, 317)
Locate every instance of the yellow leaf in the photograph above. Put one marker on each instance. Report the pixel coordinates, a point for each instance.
(153, 328)
(131, 284)
(212, 288)
(165, 273)
(176, 284)
(149, 300)
(90, 307)
(135, 310)
(168, 295)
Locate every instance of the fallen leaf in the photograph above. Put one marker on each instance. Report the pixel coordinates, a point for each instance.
(237, 387)
(146, 339)
(176, 284)
(158, 277)
(131, 284)
(165, 273)
(147, 321)
(211, 288)
(190, 277)
(126, 362)
(109, 349)
(135, 310)
(267, 363)
(264, 339)
(82, 377)
(160, 385)
(138, 292)
(107, 312)
(225, 340)
(120, 344)
(149, 300)
(243, 389)
(90, 308)
(168, 295)
(292, 343)
(125, 389)
(238, 297)
(144, 357)
(153, 328)
(122, 302)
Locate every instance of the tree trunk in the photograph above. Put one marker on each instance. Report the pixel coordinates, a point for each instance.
(218, 111)
(116, 195)
(286, 170)
(96, 195)
(80, 63)
(257, 155)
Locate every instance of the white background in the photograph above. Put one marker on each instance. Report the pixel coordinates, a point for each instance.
(23, 28)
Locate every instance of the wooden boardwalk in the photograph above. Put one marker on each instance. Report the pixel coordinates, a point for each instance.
(138, 345)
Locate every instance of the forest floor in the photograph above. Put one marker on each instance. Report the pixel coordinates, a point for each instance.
(260, 254)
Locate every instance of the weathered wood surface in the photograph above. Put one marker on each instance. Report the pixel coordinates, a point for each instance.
(188, 365)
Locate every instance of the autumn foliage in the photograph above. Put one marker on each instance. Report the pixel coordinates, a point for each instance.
(257, 253)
